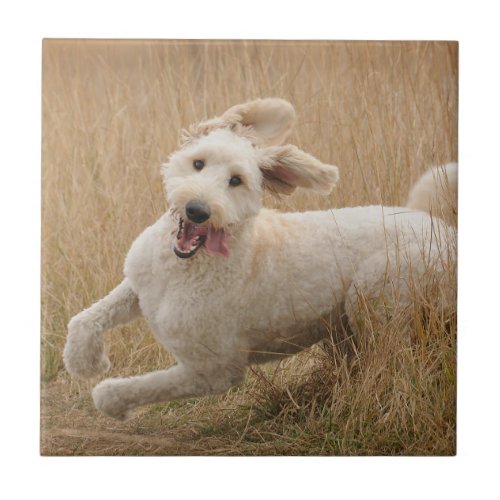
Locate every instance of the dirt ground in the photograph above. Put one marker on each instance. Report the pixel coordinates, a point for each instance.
(215, 425)
(70, 425)
(69, 428)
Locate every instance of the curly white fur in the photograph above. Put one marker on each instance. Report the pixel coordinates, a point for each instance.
(436, 192)
(285, 274)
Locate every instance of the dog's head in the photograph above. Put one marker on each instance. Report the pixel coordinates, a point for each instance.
(214, 182)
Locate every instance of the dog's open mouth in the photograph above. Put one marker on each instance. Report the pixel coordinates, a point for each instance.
(191, 237)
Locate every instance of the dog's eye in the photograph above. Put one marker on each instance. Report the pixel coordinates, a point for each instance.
(198, 164)
(235, 181)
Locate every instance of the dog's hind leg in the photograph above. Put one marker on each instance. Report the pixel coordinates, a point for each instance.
(398, 284)
(117, 397)
(84, 354)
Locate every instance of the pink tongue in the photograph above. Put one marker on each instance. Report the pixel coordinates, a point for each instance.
(216, 242)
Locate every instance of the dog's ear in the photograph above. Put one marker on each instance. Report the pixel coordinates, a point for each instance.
(271, 119)
(286, 167)
(266, 122)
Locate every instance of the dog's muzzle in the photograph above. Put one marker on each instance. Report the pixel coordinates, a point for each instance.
(191, 236)
(197, 211)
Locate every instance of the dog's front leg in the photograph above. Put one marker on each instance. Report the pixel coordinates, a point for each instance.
(117, 397)
(84, 354)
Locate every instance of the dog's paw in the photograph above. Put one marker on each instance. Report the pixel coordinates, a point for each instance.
(110, 398)
(84, 355)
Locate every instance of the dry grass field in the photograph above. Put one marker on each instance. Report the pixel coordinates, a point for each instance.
(112, 113)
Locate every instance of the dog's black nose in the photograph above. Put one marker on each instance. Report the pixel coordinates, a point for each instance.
(197, 211)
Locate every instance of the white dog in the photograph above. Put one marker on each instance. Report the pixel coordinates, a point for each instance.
(225, 283)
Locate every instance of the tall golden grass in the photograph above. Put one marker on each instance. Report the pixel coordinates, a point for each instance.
(113, 111)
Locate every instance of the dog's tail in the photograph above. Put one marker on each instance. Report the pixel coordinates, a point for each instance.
(436, 193)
